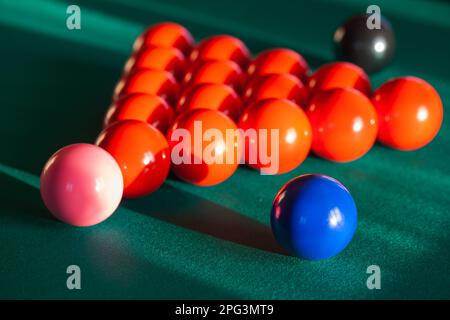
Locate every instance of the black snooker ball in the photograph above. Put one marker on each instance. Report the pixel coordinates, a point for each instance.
(370, 48)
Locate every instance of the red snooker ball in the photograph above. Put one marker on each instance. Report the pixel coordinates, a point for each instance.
(142, 153)
(283, 132)
(279, 60)
(166, 34)
(222, 47)
(344, 124)
(339, 75)
(281, 86)
(410, 113)
(214, 96)
(150, 81)
(144, 107)
(215, 71)
(211, 152)
(159, 58)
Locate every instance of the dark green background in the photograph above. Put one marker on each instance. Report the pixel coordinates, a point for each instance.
(190, 242)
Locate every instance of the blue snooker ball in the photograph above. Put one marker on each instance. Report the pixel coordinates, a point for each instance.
(314, 217)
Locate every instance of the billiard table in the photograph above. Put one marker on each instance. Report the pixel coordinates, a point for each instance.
(188, 242)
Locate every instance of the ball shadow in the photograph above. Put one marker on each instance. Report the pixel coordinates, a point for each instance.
(192, 212)
(22, 201)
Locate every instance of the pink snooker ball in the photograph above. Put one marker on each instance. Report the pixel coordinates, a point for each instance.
(81, 184)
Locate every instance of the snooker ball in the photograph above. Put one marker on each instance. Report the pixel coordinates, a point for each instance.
(313, 217)
(279, 60)
(222, 47)
(81, 184)
(339, 75)
(344, 122)
(142, 153)
(213, 96)
(410, 113)
(277, 135)
(158, 82)
(159, 58)
(215, 71)
(205, 147)
(141, 106)
(371, 49)
(166, 34)
(281, 86)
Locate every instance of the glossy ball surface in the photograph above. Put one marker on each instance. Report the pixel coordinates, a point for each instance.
(314, 217)
(344, 122)
(159, 58)
(206, 157)
(215, 71)
(144, 107)
(81, 184)
(166, 34)
(222, 47)
(214, 96)
(410, 113)
(339, 75)
(142, 153)
(371, 49)
(157, 82)
(281, 86)
(290, 145)
(279, 60)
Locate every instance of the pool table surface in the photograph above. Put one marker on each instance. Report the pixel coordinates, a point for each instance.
(187, 242)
